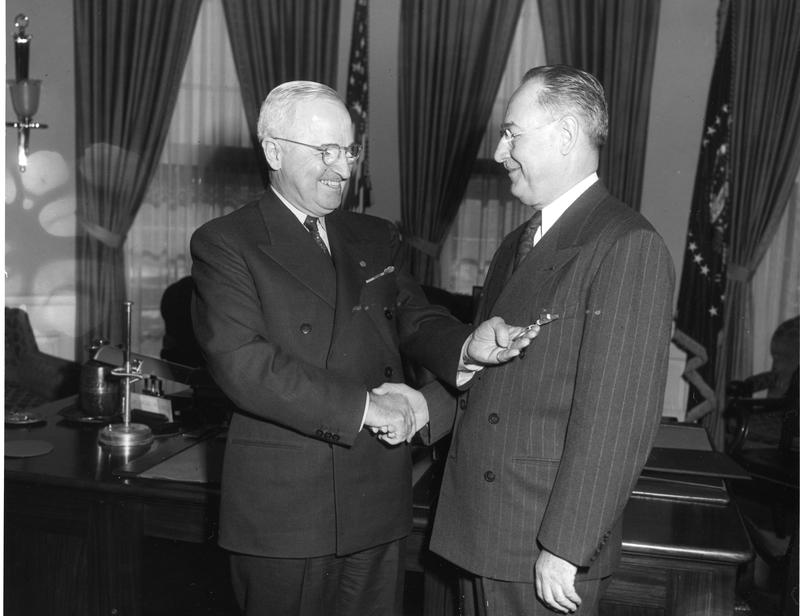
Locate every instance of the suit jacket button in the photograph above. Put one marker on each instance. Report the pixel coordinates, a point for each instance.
(388, 372)
(388, 313)
(462, 403)
(521, 354)
(489, 476)
(319, 433)
(327, 436)
(494, 418)
(305, 328)
(335, 437)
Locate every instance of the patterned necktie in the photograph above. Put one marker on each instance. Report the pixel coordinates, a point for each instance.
(526, 239)
(311, 225)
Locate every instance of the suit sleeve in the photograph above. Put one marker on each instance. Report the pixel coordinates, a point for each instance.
(618, 398)
(256, 373)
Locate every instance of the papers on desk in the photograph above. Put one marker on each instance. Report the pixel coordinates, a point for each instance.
(685, 449)
(696, 489)
(682, 436)
(684, 466)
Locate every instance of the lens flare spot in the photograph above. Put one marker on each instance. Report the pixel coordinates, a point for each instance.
(58, 217)
(47, 171)
(11, 188)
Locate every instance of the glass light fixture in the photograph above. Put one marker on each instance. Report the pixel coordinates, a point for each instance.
(24, 92)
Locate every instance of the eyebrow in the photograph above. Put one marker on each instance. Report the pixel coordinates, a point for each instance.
(506, 125)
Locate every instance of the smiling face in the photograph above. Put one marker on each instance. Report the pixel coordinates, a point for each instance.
(532, 149)
(298, 171)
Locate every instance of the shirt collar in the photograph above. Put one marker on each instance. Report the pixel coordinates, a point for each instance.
(553, 211)
(301, 216)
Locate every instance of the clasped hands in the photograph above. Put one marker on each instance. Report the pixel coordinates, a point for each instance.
(396, 411)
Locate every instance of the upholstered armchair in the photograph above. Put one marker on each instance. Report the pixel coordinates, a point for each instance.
(31, 376)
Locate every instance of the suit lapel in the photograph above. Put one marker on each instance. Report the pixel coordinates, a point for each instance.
(350, 273)
(353, 260)
(499, 274)
(555, 250)
(292, 248)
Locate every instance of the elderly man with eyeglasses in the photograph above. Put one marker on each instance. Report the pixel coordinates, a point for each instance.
(301, 311)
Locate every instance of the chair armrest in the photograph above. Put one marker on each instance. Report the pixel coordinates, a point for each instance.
(752, 384)
(742, 413)
(49, 376)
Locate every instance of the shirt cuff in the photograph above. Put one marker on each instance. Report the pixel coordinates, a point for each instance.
(364, 416)
(466, 370)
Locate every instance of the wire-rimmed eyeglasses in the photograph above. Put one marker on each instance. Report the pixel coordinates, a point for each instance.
(509, 136)
(331, 151)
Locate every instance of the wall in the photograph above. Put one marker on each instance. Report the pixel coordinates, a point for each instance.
(40, 223)
(685, 55)
(40, 203)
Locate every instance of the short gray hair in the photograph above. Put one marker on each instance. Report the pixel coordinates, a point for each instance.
(277, 110)
(566, 89)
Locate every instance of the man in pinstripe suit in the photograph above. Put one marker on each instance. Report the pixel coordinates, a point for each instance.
(547, 448)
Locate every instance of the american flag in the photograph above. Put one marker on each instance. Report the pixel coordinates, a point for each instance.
(699, 320)
(359, 191)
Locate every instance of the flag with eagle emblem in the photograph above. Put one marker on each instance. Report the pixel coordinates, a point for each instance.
(699, 319)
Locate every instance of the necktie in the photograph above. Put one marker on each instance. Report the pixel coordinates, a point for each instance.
(526, 239)
(311, 225)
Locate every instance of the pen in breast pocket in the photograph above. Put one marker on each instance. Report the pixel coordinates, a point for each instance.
(388, 270)
(544, 318)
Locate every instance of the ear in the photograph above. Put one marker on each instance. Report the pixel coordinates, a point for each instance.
(570, 133)
(273, 153)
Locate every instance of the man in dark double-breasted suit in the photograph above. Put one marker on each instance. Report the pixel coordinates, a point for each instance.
(301, 311)
(547, 447)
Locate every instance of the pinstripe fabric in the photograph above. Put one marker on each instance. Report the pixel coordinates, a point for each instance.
(547, 448)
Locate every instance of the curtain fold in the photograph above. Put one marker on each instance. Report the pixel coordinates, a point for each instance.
(765, 155)
(488, 210)
(452, 56)
(129, 57)
(207, 168)
(776, 282)
(615, 40)
(278, 41)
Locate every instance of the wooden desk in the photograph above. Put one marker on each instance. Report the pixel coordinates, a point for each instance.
(74, 533)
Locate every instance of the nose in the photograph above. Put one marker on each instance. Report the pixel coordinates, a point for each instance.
(501, 151)
(342, 167)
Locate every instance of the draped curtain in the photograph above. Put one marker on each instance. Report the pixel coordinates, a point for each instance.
(452, 56)
(776, 282)
(488, 211)
(128, 61)
(765, 155)
(615, 40)
(281, 40)
(207, 168)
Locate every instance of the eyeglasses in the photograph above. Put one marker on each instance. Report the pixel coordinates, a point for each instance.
(331, 151)
(506, 134)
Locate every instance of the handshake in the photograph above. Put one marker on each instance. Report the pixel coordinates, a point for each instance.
(396, 412)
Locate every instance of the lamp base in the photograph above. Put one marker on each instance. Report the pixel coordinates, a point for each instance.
(125, 435)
